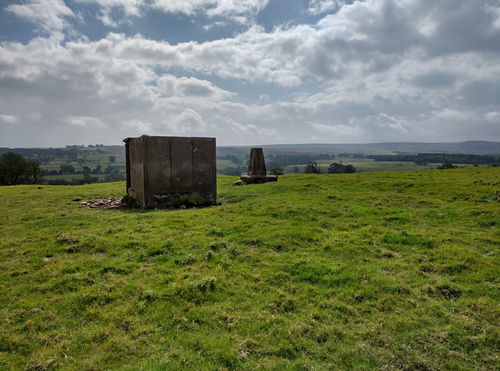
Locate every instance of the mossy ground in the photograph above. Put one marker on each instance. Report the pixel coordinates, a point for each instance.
(362, 271)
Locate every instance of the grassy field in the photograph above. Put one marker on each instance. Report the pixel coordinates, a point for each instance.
(70, 177)
(230, 160)
(395, 270)
(91, 157)
(364, 165)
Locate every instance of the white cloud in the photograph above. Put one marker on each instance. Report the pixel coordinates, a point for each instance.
(251, 130)
(138, 127)
(84, 121)
(129, 7)
(189, 121)
(9, 119)
(323, 6)
(374, 127)
(495, 12)
(49, 15)
(253, 55)
(236, 10)
(213, 25)
(106, 18)
(343, 130)
(455, 115)
(188, 7)
(492, 117)
(359, 40)
(375, 70)
(170, 85)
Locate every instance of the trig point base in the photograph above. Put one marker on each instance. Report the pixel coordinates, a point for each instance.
(257, 169)
(171, 171)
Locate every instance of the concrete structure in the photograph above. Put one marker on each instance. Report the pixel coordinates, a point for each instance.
(171, 171)
(257, 168)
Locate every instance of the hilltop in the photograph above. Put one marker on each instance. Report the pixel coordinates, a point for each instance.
(359, 271)
(99, 163)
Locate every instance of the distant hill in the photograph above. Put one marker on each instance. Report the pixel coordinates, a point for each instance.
(471, 147)
(478, 147)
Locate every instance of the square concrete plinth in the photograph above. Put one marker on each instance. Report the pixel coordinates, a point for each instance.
(171, 171)
(257, 179)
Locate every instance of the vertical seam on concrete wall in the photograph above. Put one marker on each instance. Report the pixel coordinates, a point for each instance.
(215, 168)
(145, 171)
(193, 186)
(170, 166)
(127, 166)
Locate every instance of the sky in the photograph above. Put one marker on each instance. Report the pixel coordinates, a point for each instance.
(249, 71)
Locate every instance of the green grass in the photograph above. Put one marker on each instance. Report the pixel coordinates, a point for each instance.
(360, 271)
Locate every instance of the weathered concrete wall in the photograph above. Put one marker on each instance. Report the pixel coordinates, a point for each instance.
(135, 169)
(175, 171)
(158, 167)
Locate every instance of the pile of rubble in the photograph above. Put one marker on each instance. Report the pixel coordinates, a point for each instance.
(104, 203)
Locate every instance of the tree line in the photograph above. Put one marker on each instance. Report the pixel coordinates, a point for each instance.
(46, 155)
(15, 169)
(85, 170)
(333, 168)
(280, 161)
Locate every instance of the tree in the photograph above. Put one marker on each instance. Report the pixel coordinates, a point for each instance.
(86, 170)
(35, 172)
(110, 169)
(336, 168)
(112, 158)
(66, 169)
(14, 169)
(97, 170)
(446, 166)
(312, 168)
(73, 156)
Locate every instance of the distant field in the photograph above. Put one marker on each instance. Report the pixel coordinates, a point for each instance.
(363, 165)
(223, 164)
(346, 160)
(395, 166)
(389, 270)
(69, 177)
(233, 160)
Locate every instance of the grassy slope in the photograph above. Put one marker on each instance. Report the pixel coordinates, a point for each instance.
(393, 270)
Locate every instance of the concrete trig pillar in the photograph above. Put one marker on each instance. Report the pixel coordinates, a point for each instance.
(257, 168)
(256, 164)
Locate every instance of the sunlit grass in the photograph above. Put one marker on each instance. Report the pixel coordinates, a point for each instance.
(362, 271)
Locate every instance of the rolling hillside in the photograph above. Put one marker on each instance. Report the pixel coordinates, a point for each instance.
(99, 163)
(359, 271)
